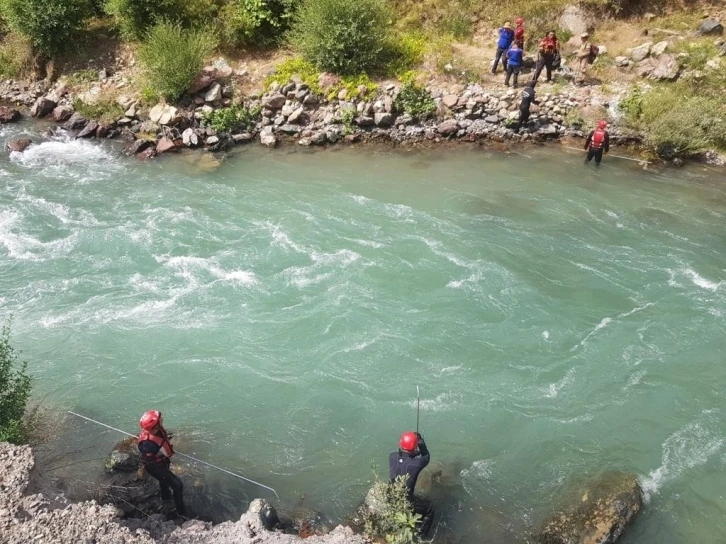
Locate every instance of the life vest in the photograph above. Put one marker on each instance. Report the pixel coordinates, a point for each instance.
(160, 441)
(549, 46)
(519, 35)
(598, 139)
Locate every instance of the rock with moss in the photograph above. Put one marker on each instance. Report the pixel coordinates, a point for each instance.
(600, 514)
(124, 457)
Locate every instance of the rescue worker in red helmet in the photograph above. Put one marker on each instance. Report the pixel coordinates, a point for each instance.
(156, 453)
(519, 33)
(597, 141)
(411, 458)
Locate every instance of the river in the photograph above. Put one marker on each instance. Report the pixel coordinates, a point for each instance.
(280, 308)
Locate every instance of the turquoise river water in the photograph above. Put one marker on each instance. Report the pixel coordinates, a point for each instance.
(280, 308)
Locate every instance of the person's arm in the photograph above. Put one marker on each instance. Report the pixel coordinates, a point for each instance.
(422, 449)
(589, 139)
(607, 142)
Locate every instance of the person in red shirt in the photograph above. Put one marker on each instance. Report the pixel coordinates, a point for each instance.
(549, 46)
(519, 33)
(156, 453)
(597, 141)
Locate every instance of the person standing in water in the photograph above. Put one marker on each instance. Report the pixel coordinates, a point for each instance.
(597, 141)
(411, 458)
(156, 453)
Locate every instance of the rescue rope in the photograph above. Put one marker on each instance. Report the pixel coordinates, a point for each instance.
(181, 454)
(609, 155)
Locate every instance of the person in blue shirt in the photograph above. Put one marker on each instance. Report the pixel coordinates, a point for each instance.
(513, 64)
(506, 37)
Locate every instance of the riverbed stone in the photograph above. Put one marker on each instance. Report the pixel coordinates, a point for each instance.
(274, 101)
(61, 114)
(18, 144)
(450, 100)
(296, 115)
(447, 128)
(124, 457)
(383, 120)
(599, 513)
(267, 137)
(76, 122)
(214, 94)
(164, 145)
(89, 131)
(190, 138)
(164, 114)
(9, 115)
(43, 106)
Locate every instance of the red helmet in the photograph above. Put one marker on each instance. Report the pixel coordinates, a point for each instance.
(150, 420)
(519, 20)
(602, 124)
(409, 441)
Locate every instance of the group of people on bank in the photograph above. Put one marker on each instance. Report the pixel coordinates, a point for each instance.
(511, 49)
(154, 444)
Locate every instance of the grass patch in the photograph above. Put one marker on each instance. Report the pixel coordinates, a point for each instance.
(299, 67)
(82, 77)
(104, 108)
(699, 52)
(406, 53)
(16, 57)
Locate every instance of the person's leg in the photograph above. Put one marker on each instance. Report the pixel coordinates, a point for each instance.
(497, 58)
(598, 156)
(516, 76)
(548, 63)
(538, 70)
(178, 487)
(523, 116)
(427, 513)
(505, 61)
(509, 74)
(590, 154)
(169, 482)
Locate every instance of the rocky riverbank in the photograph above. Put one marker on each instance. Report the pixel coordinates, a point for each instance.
(36, 518)
(291, 112)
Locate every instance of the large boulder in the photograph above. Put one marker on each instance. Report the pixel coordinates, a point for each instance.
(18, 144)
(574, 20)
(61, 114)
(89, 131)
(190, 138)
(383, 120)
(201, 82)
(9, 115)
(43, 106)
(164, 114)
(76, 122)
(599, 513)
(267, 137)
(641, 52)
(666, 67)
(710, 27)
(124, 457)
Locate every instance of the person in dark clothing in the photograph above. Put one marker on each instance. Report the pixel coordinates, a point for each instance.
(514, 64)
(597, 141)
(506, 37)
(529, 97)
(407, 461)
(156, 453)
(548, 48)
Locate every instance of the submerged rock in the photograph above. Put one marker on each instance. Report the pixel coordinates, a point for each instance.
(18, 144)
(9, 115)
(601, 514)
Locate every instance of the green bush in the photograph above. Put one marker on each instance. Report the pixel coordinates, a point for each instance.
(135, 17)
(415, 100)
(395, 520)
(632, 104)
(243, 22)
(405, 53)
(172, 57)
(14, 392)
(679, 121)
(235, 118)
(48, 24)
(341, 36)
(16, 57)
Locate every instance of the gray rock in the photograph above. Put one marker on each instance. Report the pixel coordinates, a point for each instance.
(301, 94)
(212, 140)
(242, 138)
(201, 82)
(124, 457)
(164, 114)
(305, 142)
(448, 128)
(548, 130)
(190, 138)
(365, 121)
(658, 49)
(574, 20)
(599, 514)
(18, 145)
(89, 131)
(383, 120)
(289, 129)
(311, 100)
(450, 100)
(319, 138)
(641, 52)
(710, 27)
(493, 119)
(666, 67)
(138, 146)
(214, 94)
(76, 122)
(42, 107)
(622, 61)
(274, 101)
(296, 116)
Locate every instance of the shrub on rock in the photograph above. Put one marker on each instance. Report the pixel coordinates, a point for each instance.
(14, 388)
(341, 36)
(172, 57)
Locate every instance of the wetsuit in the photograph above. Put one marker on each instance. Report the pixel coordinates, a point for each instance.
(156, 452)
(528, 98)
(597, 141)
(506, 37)
(401, 463)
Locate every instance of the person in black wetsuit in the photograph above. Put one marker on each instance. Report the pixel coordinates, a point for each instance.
(408, 461)
(529, 97)
(597, 141)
